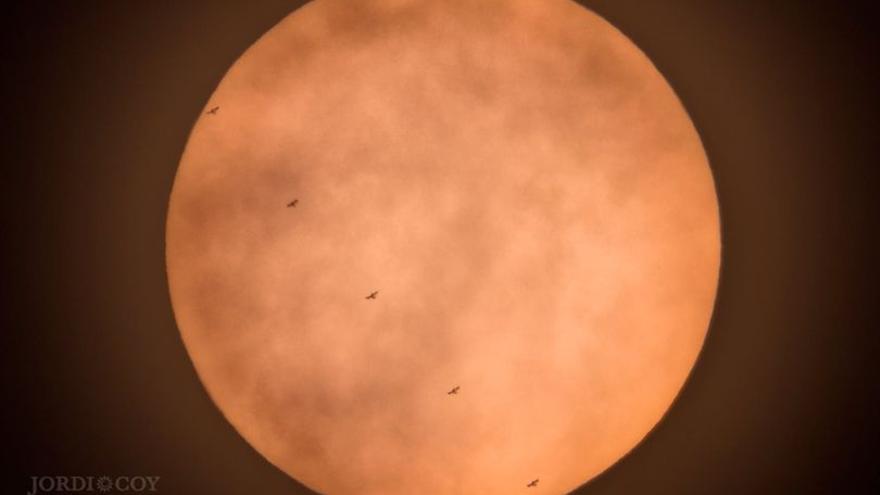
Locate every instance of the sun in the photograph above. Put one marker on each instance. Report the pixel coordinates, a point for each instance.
(443, 247)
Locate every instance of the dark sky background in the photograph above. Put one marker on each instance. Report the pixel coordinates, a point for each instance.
(100, 99)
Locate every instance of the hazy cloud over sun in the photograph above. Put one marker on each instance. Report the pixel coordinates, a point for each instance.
(521, 186)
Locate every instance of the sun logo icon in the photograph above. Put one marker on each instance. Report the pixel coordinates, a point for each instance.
(104, 484)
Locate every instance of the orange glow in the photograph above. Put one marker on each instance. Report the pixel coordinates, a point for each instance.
(525, 192)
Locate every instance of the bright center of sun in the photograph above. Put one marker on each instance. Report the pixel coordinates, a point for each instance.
(443, 247)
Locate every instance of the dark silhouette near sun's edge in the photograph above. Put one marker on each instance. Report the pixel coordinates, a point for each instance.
(213, 111)
(293, 203)
(373, 295)
(533, 484)
(454, 391)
